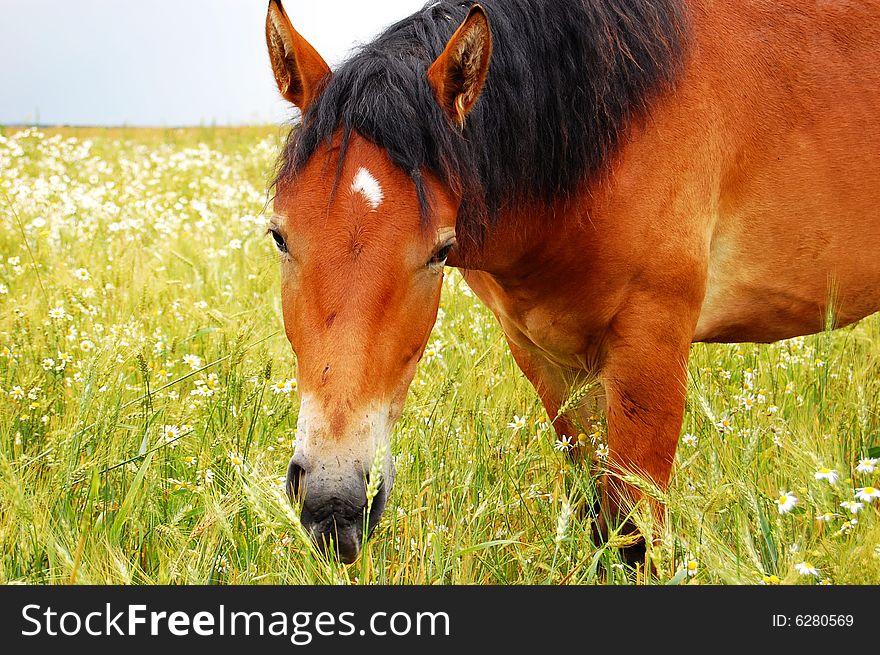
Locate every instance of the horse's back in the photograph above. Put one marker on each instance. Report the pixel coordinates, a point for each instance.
(795, 218)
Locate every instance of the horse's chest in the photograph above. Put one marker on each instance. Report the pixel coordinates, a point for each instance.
(539, 327)
(552, 324)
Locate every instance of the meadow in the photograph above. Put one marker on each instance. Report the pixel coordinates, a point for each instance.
(148, 405)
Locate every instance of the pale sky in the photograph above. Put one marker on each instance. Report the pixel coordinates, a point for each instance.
(163, 62)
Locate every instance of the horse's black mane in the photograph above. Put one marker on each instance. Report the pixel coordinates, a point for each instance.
(566, 78)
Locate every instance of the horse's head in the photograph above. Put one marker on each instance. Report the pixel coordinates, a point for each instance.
(362, 264)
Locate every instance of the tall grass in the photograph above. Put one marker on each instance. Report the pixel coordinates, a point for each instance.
(148, 408)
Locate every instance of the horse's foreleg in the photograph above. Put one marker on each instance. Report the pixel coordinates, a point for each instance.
(645, 379)
(549, 382)
(554, 386)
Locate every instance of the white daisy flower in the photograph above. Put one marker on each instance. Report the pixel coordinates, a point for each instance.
(564, 443)
(169, 435)
(725, 424)
(236, 460)
(193, 361)
(868, 494)
(805, 568)
(433, 351)
(57, 313)
(867, 465)
(826, 474)
(786, 502)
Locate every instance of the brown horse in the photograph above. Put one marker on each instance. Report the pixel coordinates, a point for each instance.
(615, 179)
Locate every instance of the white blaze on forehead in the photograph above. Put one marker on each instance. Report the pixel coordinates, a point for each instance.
(368, 186)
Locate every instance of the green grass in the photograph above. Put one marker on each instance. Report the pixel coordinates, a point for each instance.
(122, 252)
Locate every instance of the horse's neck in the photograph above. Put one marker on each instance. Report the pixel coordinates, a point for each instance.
(529, 240)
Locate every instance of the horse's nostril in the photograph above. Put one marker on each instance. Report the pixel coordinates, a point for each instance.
(295, 477)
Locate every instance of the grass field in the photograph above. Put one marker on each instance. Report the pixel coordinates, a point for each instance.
(148, 407)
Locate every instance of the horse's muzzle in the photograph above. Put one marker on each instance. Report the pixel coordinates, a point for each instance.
(334, 511)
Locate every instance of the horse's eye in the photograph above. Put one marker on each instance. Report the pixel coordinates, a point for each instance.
(442, 253)
(279, 240)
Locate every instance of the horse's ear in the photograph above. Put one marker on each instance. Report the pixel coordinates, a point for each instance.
(458, 74)
(299, 69)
